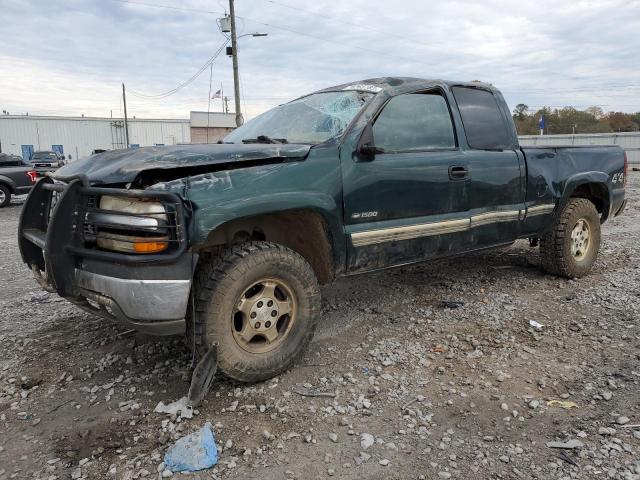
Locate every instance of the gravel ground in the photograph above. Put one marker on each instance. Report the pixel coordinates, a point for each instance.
(418, 391)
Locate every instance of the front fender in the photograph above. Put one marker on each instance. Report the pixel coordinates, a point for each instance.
(212, 217)
(220, 197)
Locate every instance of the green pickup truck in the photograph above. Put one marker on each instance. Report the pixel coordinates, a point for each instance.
(229, 243)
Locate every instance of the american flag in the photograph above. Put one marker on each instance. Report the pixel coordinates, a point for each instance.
(218, 94)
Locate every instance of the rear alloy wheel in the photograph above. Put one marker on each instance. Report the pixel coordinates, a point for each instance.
(5, 196)
(260, 303)
(580, 240)
(571, 248)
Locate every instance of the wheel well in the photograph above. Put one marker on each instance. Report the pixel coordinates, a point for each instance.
(303, 231)
(8, 186)
(596, 193)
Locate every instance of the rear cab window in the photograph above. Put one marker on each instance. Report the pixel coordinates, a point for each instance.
(414, 122)
(482, 119)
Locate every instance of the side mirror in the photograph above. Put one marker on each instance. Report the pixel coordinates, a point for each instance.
(366, 150)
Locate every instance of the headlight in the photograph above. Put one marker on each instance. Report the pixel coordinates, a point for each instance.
(130, 225)
(131, 205)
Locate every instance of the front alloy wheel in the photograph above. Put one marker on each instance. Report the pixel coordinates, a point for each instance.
(260, 303)
(265, 314)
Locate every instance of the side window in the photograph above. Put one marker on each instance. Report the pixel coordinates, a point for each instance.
(482, 119)
(414, 121)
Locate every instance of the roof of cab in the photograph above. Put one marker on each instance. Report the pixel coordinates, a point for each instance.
(392, 85)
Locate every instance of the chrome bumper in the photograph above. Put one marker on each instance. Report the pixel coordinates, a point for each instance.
(141, 300)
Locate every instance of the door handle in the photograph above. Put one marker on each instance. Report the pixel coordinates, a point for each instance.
(458, 172)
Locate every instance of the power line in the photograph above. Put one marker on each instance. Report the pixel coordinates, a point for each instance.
(187, 82)
(277, 27)
(510, 92)
(170, 7)
(326, 40)
(347, 22)
(243, 98)
(209, 99)
(323, 39)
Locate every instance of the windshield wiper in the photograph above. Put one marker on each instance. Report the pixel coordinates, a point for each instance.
(264, 139)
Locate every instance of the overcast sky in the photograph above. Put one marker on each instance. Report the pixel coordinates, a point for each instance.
(69, 57)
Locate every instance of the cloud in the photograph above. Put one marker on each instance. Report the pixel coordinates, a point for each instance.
(70, 56)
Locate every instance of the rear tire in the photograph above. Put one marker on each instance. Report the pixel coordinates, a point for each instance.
(571, 248)
(5, 196)
(260, 303)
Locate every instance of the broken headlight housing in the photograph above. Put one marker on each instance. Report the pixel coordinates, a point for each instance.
(130, 225)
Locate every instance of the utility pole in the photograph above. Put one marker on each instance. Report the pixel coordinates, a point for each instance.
(126, 124)
(234, 55)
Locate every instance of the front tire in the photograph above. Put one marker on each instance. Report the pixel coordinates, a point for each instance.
(5, 196)
(571, 248)
(260, 303)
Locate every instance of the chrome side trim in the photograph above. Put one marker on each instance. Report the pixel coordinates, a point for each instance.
(540, 209)
(146, 300)
(371, 237)
(494, 217)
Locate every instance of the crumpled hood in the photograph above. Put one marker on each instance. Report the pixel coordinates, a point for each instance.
(123, 166)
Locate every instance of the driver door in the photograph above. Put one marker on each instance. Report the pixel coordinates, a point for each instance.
(409, 201)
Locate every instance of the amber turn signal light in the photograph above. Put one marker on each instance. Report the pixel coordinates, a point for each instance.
(150, 247)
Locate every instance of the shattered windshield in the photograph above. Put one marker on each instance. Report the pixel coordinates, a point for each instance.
(312, 119)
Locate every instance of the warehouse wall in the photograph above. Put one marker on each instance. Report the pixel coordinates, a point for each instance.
(79, 136)
(630, 142)
(199, 134)
(217, 124)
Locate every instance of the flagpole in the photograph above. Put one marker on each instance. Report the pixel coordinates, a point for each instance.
(209, 99)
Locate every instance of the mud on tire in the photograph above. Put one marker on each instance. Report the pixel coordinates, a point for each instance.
(241, 290)
(570, 249)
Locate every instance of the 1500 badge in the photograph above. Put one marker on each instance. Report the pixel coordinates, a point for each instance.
(364, 215)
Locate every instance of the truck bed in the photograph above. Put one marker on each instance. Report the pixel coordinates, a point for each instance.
(553, 170)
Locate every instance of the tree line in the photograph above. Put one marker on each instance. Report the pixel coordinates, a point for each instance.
(571, 120)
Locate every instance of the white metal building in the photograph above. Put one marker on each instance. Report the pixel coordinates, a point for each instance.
(79, 136)
(630, 142)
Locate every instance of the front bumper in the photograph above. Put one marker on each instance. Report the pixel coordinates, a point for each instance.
(149, 293)
(152, 306)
